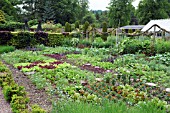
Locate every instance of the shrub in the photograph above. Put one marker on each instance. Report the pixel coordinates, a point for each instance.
(33, 22)
(58, 25)
(104, 30)
(41, 38)
(67, 27)
(22, 39)
(11, 26)
(57, 39)
(5, 49)
(77, 24)
(104, 27)
(49, 26)
(11, 90)
(2, 17)
(19, 104)
(85, 42)
(162, 46)
(130, 31)
(133, 45)
(85, 26)
(74, 41)
(37, 109)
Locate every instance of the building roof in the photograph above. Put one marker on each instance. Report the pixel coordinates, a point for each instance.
(162, 24)
(132, 27)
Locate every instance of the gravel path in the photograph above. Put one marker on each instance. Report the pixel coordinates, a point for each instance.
(4, 105)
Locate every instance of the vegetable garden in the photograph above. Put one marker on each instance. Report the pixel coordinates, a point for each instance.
(91, 77)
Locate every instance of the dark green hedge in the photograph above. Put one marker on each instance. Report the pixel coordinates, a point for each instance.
(5, 36)
(25, 39)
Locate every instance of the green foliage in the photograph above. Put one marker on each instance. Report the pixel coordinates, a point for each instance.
(67, 27)
(104, 27)
(6, 49)
(23, 39)
(19, 103)
(120, 12)
(130, 31)
(37, 109)
(85, 26)
(33, 22)
(2, 17)
(104, 34)
(11, 26)
(90, 18)
(13, 93)
(162, 46)
(105, 107)
(9, 91)
(57, 39)
(41, 38)
(132, 46)
(77, 24)
(49, 26)
(74, 41)
(152, 9)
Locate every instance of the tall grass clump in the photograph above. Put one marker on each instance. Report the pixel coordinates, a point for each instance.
(105, 107)
(6, 49)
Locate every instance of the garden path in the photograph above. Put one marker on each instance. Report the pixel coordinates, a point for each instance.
(35, 95)
(4, 105)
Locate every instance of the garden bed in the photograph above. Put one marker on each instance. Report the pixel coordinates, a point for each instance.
(61, 73)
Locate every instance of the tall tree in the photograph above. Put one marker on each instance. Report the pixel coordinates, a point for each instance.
(83, 8)
(49, 12)
(60, 11)
(152, 9)
(120, 12)
(8, 8)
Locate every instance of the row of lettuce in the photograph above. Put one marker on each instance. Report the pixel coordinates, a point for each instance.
(15, 94)
(125, 79)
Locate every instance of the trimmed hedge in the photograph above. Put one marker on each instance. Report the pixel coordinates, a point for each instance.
(5, 36)
(11, 26)
(58, 39)
(26, 39)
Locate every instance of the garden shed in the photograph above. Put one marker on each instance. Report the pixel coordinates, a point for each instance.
(160, 27)
(132, 27)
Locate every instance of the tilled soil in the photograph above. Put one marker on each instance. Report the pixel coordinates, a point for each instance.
(4, 105)
(35, 95)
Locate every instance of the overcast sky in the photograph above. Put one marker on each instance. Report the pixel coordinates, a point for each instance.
(102, 4)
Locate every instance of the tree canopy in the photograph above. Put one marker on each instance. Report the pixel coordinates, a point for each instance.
(120, 12)
(152, 9)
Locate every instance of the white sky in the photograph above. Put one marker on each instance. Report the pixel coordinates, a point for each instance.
(102, 4)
